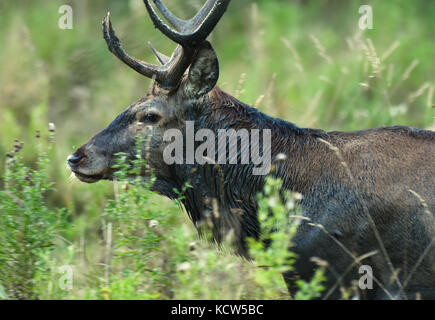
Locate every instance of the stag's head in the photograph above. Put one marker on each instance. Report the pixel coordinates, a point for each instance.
(181, 87)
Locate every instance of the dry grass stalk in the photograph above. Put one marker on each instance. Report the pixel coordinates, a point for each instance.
(365, 210)
(320, 49)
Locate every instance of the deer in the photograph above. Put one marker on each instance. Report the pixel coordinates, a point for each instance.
(368, 196)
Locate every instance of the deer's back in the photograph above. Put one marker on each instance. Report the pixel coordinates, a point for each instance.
(387, 174)
(391, 161)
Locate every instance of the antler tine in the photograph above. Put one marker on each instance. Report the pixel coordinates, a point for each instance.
(200, 16)
(207, 18)
(183, 25)
(176, 22)
(162, 26)
(114, 45)
(163, 59)
(167, 75)
(194, 34)
(188, 34)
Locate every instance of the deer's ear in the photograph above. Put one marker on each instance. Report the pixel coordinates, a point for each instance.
(204, 71)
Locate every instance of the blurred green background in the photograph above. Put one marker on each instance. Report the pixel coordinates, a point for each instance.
(305, 61)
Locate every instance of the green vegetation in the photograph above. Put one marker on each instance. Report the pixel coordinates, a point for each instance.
(147, 253)
(27, 227)
(304, 61)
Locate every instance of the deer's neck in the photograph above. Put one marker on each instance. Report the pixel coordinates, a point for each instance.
(300, 146)
(223, 196)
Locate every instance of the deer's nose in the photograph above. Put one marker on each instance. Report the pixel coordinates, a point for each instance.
(74, 159)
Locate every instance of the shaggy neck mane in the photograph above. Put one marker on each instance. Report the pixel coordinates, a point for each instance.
(222, 197)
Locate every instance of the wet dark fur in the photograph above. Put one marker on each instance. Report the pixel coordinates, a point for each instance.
(385, 163)
(363, 192)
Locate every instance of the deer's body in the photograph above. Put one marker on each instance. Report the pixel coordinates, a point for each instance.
(382, 168)
(368, 192)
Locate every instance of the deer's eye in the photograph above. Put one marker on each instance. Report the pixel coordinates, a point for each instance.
(150, 118)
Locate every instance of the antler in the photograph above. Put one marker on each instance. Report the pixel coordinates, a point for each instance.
(188, 34)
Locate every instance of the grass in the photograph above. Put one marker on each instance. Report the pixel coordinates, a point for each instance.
(306, 62)
(145, 252)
